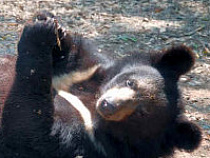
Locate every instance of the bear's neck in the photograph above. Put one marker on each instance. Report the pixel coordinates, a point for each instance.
(131, 130)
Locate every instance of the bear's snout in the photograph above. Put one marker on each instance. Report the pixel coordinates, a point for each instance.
(106, 107)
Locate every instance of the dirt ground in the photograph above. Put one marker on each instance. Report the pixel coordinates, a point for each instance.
(119, 26)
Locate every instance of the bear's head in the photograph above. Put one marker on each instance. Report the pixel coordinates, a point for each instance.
(143, 98)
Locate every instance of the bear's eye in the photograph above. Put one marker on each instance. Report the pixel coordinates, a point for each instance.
(130, 83)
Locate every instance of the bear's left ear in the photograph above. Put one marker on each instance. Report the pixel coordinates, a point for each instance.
(177, 60)
(188, 135)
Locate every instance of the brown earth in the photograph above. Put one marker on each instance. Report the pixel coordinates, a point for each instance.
(119, 26)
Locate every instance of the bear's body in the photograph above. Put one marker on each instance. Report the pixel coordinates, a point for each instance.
(132, 106)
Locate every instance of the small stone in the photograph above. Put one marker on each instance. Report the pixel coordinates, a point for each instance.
(145, 20)
(184, 79)
(194, 100)
(32, 71)
(187, 98)
(193, 118)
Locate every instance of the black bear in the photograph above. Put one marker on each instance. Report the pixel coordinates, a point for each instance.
(132, 106)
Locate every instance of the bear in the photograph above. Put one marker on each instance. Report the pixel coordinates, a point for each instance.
(68, 101)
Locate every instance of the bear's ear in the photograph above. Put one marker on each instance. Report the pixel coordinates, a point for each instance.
(187, 135)
(176, 60)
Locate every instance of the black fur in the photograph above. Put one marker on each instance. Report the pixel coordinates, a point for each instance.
(36, 124)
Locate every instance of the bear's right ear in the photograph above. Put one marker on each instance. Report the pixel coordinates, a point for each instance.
(176, 61)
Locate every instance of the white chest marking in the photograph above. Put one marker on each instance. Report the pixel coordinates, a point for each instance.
(80, 107)
(86, 116)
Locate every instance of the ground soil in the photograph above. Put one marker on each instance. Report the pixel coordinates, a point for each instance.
(119, 26)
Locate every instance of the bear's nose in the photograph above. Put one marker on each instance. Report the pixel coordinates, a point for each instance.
(106, 107)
